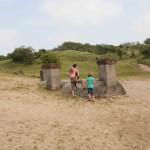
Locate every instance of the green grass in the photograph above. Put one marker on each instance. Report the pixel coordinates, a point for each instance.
(29, 70)
(86, 63)
(129, 68)
(145, 61)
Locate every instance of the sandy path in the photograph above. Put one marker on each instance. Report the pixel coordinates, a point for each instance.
(144, 67)
(34, 118)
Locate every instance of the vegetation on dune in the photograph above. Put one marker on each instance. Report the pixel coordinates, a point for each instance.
(24, 60)
(23, 54)
(86, 62)
(48, 58)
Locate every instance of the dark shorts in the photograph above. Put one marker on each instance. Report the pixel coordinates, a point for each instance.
(73, 83)
(91, 91)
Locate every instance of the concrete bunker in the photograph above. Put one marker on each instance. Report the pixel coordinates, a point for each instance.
(51, 75)
(106, 85)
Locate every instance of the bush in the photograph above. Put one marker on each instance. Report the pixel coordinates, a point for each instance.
(146, 52)
(49, 58)
(147, 41)
(23, 54)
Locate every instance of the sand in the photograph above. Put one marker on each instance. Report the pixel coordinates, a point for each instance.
(32, 117)
(144, 67)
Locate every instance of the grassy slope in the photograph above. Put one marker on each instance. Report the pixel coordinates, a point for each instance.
(86, 62)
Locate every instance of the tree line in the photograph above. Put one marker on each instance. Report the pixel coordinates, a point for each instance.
(28, 54)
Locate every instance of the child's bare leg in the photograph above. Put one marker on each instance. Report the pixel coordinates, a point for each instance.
(93, 98)
(82, 83)
(73, 89)
(92, 95)
(73, 93)
(89, 96)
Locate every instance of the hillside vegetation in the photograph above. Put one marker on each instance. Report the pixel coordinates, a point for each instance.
(85, 60)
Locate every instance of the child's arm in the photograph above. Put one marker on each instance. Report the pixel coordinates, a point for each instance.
(94, 81)
(77, 73)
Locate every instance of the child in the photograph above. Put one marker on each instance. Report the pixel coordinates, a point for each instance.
(90, 81)
(78, 79)
(72, 81)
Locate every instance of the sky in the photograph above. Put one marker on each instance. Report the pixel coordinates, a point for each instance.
(48, 23)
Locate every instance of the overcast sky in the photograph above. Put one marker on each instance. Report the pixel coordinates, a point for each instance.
(48, 23)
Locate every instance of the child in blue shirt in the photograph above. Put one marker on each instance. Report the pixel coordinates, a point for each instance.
(90, 85)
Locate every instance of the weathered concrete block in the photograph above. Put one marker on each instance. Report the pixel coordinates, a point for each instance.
(107, 71)
(43, 74)
(100, 90)
(107, 85)
(53, 76)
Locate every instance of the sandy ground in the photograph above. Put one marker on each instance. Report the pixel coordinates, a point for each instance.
(32, 117)
(144, 67)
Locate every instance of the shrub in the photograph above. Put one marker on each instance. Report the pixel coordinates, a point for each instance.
(49, 58)
(23, 54)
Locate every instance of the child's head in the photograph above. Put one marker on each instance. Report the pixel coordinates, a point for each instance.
(74, 65)
(90, 74)
(71, 69)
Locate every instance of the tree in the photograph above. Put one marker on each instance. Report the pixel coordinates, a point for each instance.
(39, 53)
(23, 54)
(146, 51)
(121, 50)
(9, 56)
(132, 54)
(2, 57)
(147, 41)
(120, 53)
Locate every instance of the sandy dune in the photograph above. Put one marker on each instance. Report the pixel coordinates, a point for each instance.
(32, 117)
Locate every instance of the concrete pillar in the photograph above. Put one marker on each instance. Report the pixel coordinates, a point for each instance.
(53, 77)
(43, 74)
(107, 71)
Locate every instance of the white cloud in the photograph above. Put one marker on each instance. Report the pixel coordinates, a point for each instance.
(8, 38)
(58, 39)
(83, 11)
(142, 25)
